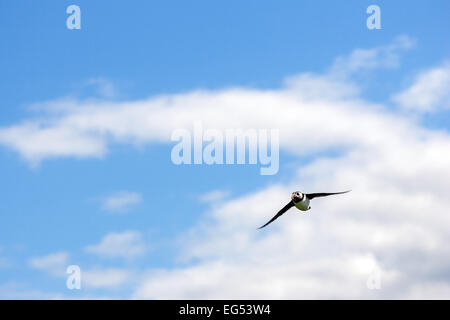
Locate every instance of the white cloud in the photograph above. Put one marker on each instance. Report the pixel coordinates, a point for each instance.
(55, 263)
(429, 92)
(154, 120)
(391, 223)
(394, 222)
(121, 201)
(127, 244)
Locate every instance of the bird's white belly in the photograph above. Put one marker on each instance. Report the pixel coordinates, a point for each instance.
(303, 205)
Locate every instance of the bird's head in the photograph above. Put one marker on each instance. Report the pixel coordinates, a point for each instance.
(297, 196)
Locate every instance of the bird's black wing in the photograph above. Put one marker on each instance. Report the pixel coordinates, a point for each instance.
(316, 195)
(286, 208)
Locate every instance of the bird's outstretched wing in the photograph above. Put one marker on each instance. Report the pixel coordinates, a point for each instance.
(316, 195)
(286, 208)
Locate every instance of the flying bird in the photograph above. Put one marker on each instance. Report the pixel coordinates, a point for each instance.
(301, 202)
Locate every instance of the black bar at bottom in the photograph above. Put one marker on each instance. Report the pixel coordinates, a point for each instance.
(226, 309)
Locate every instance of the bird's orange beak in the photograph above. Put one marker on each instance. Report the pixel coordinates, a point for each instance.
(292, 196)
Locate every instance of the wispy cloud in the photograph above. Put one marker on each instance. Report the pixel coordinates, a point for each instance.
(55, 263)
(106, 278)
(213, 196)
(14, 290)
(429, 92)
(121, 202)
(387, 56)
(105, 88)
(127, 244)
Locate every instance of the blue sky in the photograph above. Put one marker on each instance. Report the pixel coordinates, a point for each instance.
(139, 51)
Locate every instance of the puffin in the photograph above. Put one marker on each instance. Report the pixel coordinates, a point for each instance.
(301, 201)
